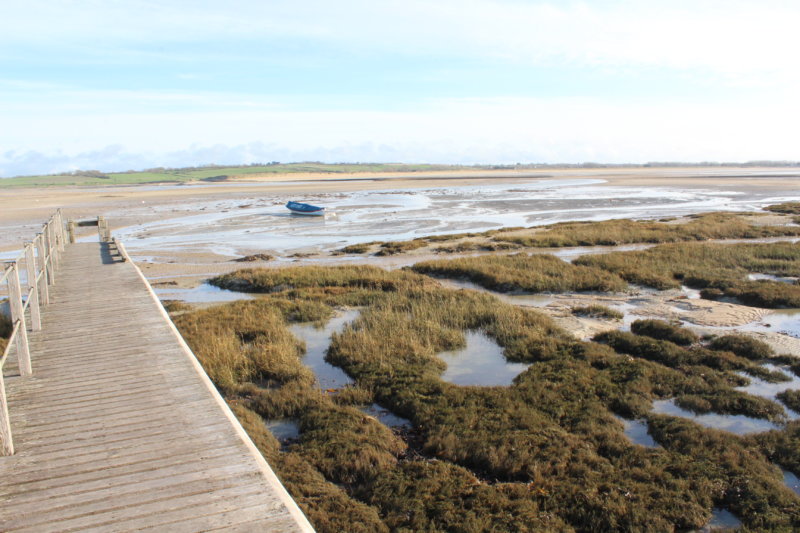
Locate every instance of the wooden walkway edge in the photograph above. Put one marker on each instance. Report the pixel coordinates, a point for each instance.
(119, 428)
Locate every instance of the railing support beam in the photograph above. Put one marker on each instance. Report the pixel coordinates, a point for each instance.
(41, 249)
(18, 315)
(33, 291)
(6, 442)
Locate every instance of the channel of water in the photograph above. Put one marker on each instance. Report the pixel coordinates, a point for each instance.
(739, 424)
(329, 377)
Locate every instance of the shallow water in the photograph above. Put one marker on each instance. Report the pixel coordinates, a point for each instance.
(722, 519)
(765, 389)
(231, 226)
(785, 321)
(317, 342)
(738, 424)
(283, 429)
(691, 294)
(791, 481)
(636, 431)
(386, 417)
(771, 277)
(481, 362)
(203, 293)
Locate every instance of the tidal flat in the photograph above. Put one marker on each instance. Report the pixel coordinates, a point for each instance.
(651, 422)
(649, 425)
(573, 436)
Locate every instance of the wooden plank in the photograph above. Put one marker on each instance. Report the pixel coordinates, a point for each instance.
(118, 429)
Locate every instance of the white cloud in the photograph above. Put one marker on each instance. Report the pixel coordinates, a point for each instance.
(47, 127)
(735, 38)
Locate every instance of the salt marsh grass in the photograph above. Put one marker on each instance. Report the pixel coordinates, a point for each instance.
(719, 269)
(545, 453)
(524, 272)
(700, 227)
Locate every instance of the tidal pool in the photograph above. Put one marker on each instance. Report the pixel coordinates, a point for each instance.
(204, 293)
(721, 519)
(283, 429)
(739, 424)
(636, 431)
(386, 417)
(791, 481)
(771, 277)
(481, 362)
(765, 389)
(317, 341)
(786, 321)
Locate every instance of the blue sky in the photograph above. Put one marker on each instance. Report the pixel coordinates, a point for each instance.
(114, 85)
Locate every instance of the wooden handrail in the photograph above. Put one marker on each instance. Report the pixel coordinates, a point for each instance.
(41, 257)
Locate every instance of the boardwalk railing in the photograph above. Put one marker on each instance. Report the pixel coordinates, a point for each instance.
(41, 259)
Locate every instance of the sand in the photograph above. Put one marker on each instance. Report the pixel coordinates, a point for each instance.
(22, 211)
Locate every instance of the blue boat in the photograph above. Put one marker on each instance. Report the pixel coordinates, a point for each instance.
(299, 208)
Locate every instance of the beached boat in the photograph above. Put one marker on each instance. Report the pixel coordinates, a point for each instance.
(299, 208)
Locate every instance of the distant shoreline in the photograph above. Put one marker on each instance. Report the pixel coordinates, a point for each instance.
(364, 172)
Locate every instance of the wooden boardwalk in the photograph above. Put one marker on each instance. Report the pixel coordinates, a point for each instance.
(118, 428)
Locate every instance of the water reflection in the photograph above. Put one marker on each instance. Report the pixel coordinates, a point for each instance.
(317, 341)
(791, 481)
(721, 519)
(283, 429)
(204, 293)
(481, 362)
(636, 431)
(765, 389)
(739, 424)
(785, 321)
(386, 417)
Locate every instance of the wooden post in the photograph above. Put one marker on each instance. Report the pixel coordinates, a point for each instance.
(17, 313)
(6, 444)
(102, 229)
(53, 244)
(71, 231)
(48, 258)
(60, 226)
(40, 247)
(30, 265)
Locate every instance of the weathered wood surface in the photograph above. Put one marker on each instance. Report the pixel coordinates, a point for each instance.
(117, 430)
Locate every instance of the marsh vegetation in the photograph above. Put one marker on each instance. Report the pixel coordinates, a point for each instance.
(598, 311)
(719, 270)
(524, 272)
(546, 452)
(789, 208)
(701, 227)
(6, 328)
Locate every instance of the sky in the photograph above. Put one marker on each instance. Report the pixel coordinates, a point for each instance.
(116, 85)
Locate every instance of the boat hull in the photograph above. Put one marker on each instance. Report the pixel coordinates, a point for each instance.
(298, 208)
(308, 214)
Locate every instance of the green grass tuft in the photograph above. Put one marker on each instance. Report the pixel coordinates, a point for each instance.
(524, 272)
(658, 329)
(598, 311)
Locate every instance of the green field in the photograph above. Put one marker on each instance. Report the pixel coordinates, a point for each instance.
(210, 173)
